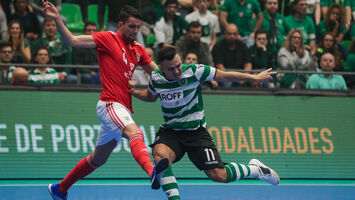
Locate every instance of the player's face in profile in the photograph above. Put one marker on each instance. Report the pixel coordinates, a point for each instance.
(130, 28)
(172, 69)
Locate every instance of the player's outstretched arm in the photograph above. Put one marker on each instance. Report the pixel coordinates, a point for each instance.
(84, 41)
(143, 95)
(239, 76)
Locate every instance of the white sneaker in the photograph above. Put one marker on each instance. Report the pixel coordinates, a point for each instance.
(266, 173)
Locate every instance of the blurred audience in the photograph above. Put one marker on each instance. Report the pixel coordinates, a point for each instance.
(349, 65)
(36, 7)
(191, 57)
(334, 22)
(262, 56)
(293, 56)
(352, 32)
(326, 4)
(274, 24)
(29, 21)
(86, 56)
(213, 6)
(231, 52)
(208, 21)
(192, 42)
(6, 56)
(19, 76)
(314, 11)
(330, 45)
(3, 24)
(241, 13)
(20, 45)
(299, 20)
(326, 81)
(60, 52)
(171, 26)
(43, 74)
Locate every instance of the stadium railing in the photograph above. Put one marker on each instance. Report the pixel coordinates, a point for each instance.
(92, 86)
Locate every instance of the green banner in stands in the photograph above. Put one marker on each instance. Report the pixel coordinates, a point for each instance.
(44, 134)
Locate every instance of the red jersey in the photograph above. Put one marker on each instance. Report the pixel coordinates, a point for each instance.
(117, 62)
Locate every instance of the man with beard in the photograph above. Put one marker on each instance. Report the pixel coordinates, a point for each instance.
(192, 42)
(274, 24)
(231, 52)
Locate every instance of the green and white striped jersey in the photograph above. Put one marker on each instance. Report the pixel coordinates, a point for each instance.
(181, 100)
(50, 77)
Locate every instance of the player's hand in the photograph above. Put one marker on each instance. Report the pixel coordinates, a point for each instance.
(49, 9)
(131, 85)
(265, 75)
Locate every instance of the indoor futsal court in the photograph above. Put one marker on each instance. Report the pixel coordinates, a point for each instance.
(189, 190)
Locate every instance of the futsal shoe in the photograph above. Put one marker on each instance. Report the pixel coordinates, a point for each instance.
(159, 169)
(266, 173)
(54, 191)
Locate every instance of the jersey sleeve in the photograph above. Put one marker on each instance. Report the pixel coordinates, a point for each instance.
(150, 85)
(205, 73)
(144, 57)
(102, 40)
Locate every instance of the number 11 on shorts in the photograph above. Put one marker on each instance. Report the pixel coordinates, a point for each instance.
(209, 154)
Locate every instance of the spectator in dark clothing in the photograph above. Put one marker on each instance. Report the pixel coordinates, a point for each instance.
(262, 55)
(231, 52)
(29, 21)
(192, 42)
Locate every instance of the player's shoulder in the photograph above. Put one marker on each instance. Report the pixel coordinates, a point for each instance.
(193, 67)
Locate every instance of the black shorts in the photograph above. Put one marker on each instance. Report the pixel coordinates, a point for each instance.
(197, 143)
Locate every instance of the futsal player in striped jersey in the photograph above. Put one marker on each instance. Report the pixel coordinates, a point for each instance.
(118, 55)
(184, 129)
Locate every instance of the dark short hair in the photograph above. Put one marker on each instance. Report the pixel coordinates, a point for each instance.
(127, 12)
(89, 23)
(166, 53)
(47, 19)
(194, 24)
(168, 2)
(36, 53)
(293, 4)
(5, 44)
(260, 31)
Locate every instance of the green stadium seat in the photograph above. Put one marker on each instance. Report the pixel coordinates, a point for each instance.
(73, 14)
(346, 44)
(150, 40)
(92, 14)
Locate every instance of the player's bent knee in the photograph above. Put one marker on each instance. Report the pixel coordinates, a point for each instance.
(217, 175)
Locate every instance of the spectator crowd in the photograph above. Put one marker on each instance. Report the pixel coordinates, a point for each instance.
(292, 35)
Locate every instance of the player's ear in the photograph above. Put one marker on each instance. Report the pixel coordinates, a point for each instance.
(120, 24)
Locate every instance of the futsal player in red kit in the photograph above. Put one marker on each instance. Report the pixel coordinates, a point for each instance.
(118, 56)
